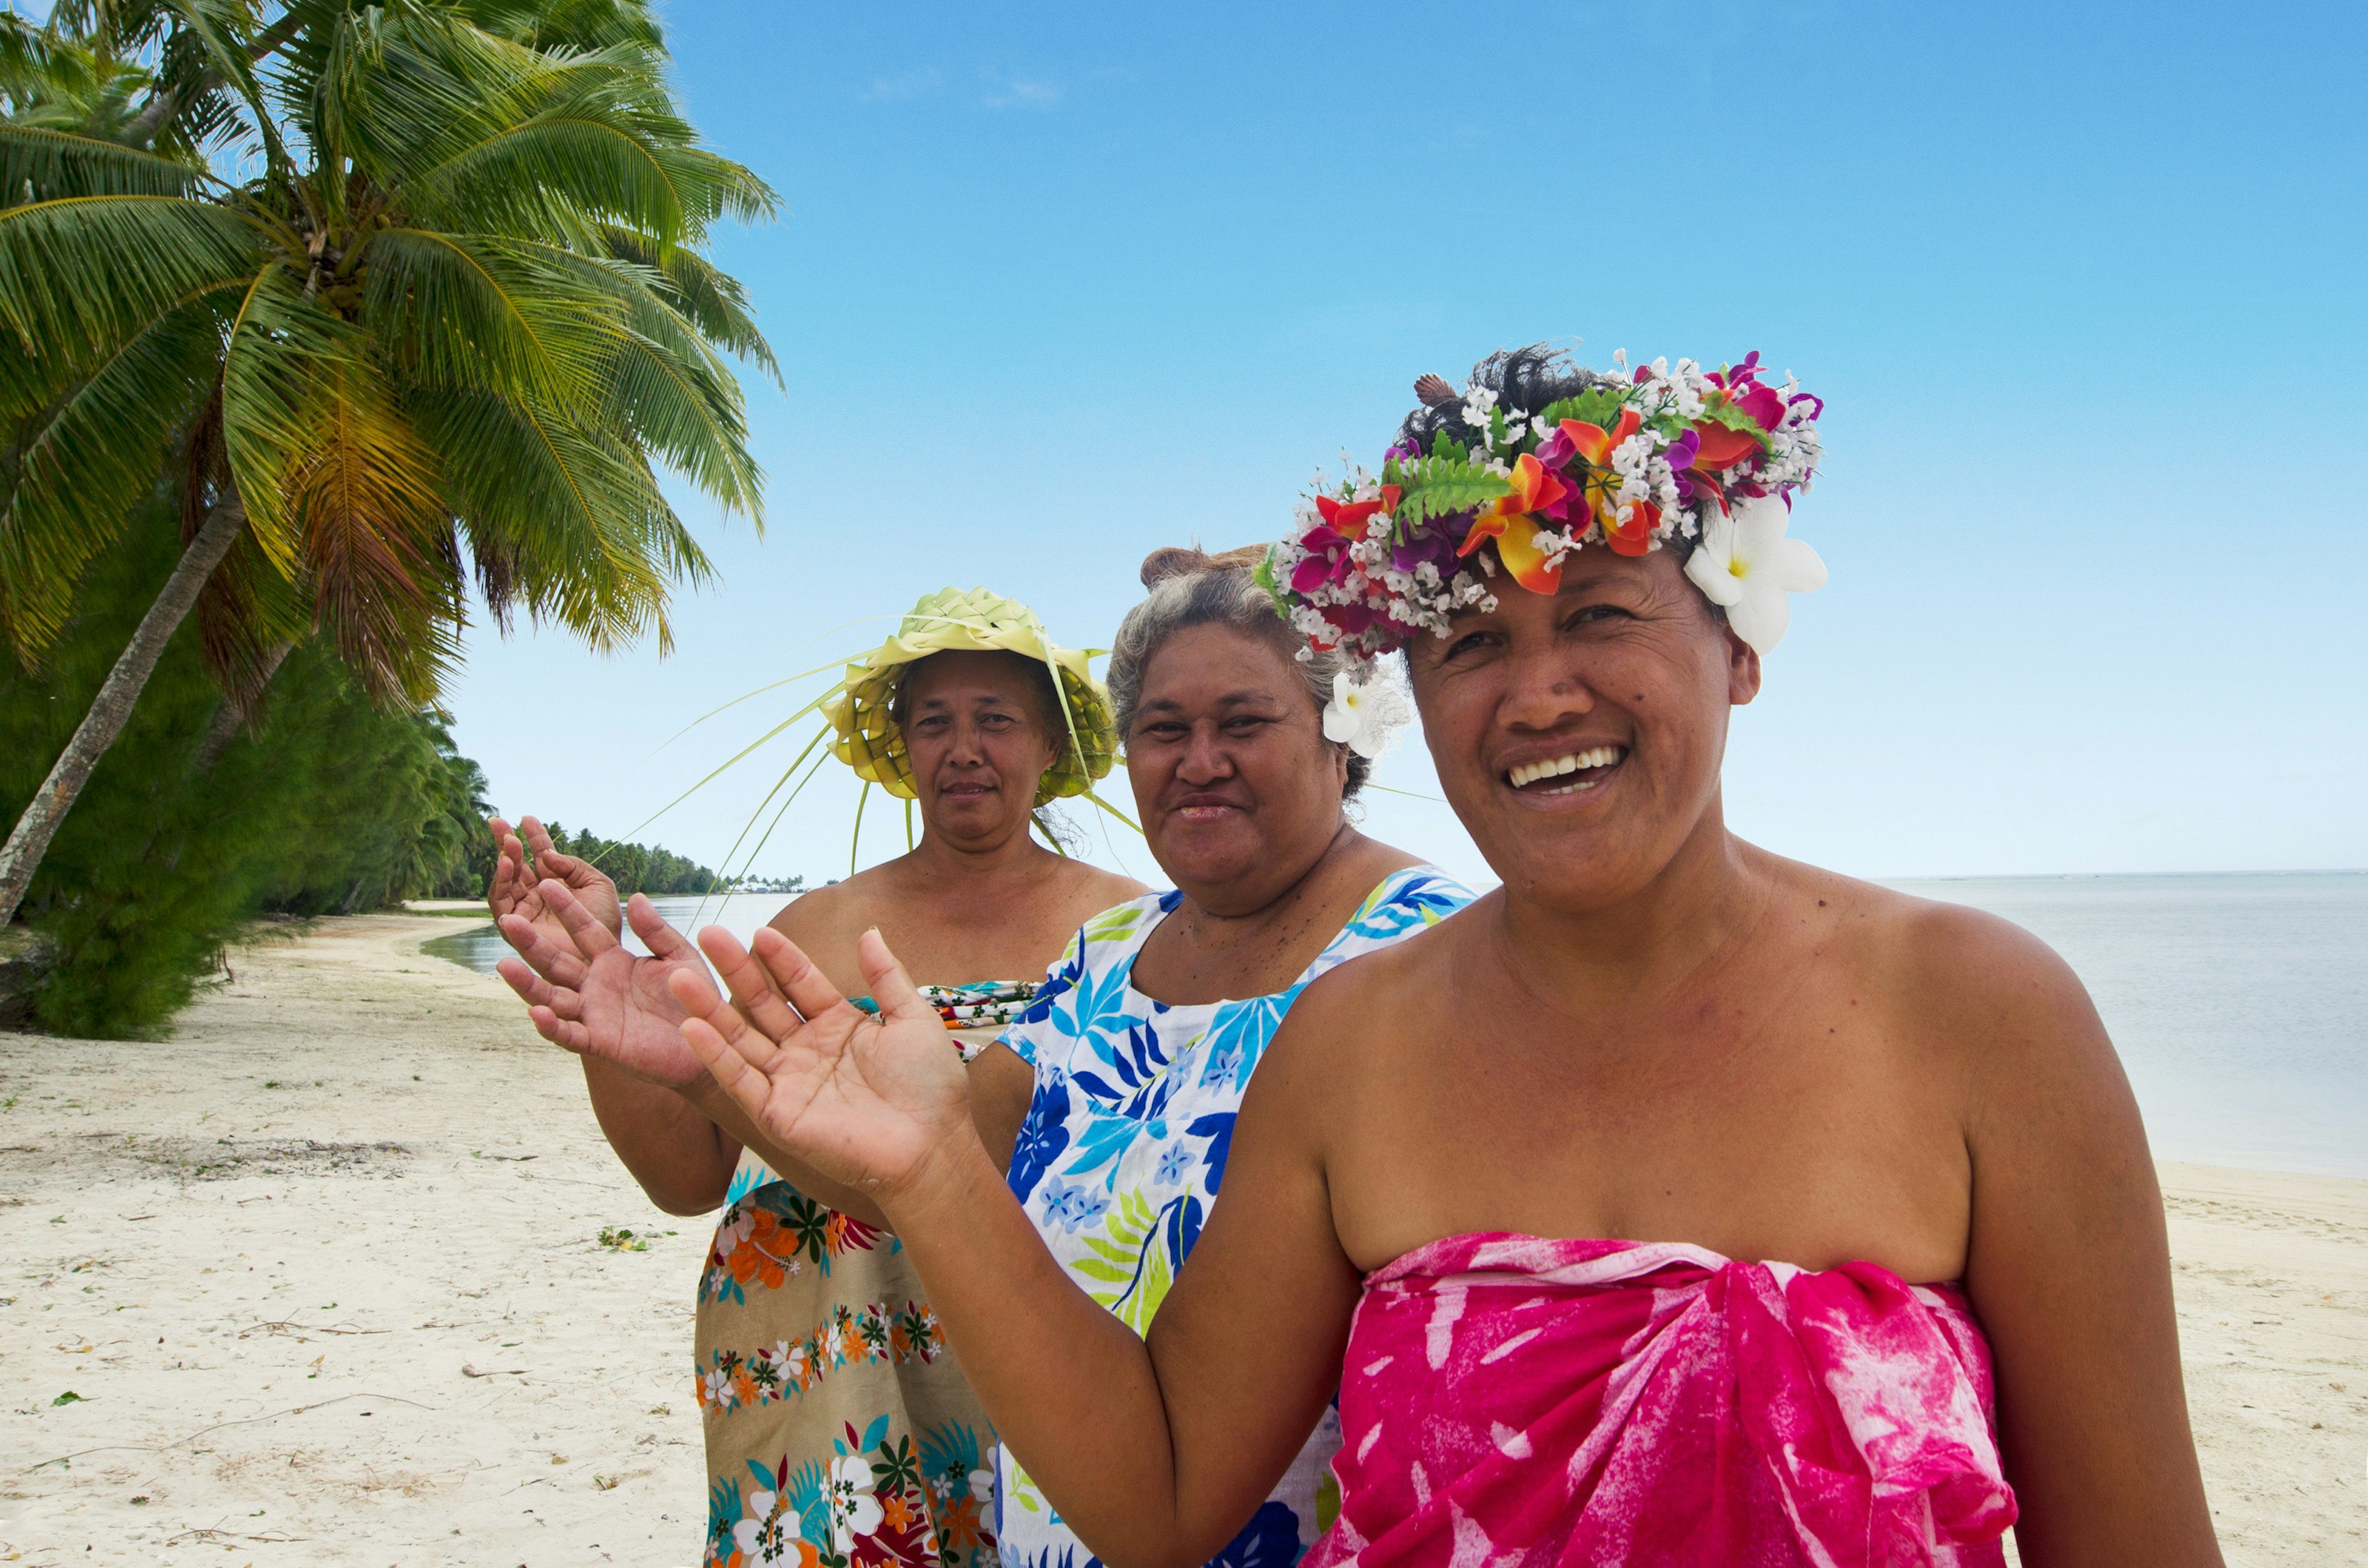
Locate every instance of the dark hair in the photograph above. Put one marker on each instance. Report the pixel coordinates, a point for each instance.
(1526, 381)
(1191, 587)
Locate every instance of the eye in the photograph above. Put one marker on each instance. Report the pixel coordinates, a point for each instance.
(996, 720)
(1469, 643)
(1596, 614)
(1243, 724)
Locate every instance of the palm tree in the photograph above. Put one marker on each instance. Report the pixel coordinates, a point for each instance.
(405, 297)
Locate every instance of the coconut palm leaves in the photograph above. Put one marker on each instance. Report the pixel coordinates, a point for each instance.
(416, 288)
(471, 293)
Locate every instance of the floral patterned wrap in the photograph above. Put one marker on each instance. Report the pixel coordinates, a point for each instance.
(840, 1432)
(1548, 1404)
(1125, 1147)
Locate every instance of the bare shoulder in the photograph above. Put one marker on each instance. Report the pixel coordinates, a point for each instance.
(834, 914)
(1087, 890)
(1353, 1011)
(1963, 981)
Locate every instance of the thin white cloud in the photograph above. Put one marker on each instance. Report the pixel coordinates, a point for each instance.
(1007, 91)
(902, 87)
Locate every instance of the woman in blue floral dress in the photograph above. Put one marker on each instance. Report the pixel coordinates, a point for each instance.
(1146, 1034)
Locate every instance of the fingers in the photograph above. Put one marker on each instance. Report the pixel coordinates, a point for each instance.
(592, 937)
(662, 939)
(692, 993)
(537, 991)
(560, 965)
(538, 837)
(808, 989)
(748, 1087)
(510, 868)
(752, 984)
(561, 1032)
(890, 986)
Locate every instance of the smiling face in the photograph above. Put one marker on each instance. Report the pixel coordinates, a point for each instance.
(1239, 790)
(1578, 736)
(979, 742)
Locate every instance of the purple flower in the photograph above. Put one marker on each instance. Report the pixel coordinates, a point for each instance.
(1433, 541)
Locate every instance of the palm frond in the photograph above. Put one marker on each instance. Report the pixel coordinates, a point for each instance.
(84, 273)
(470, 312)
(591, 543)
(374, 532)
(282, 348)
(564, 24)
(666, 391)
(51, 164)
(79, 466)
(709, 299)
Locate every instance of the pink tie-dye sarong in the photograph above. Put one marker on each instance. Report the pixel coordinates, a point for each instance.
(1515, 1401)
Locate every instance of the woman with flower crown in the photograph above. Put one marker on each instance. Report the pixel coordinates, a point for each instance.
(834, 1422)
(1674, 1204)
(1124, 1075)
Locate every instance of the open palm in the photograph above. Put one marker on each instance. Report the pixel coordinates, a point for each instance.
(865, 1100)
(586, 992)
(517, 890)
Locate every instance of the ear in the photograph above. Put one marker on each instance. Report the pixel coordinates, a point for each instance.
(1742, 669)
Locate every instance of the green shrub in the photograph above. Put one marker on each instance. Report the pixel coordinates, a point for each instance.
(332, 806)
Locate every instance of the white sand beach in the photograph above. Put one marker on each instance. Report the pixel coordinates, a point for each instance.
(324, 1274)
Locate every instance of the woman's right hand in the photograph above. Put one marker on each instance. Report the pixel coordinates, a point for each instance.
(517, 890)
(869, 1101)
(586, 993)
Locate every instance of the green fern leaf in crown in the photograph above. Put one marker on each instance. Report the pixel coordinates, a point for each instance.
(1599, 406)
(1436, 486)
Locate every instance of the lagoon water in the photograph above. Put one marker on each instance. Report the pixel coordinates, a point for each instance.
(2240, 1004)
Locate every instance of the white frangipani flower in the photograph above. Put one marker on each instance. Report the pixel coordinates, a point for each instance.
(1363, 716)
(854, 1510)
(1746, 566)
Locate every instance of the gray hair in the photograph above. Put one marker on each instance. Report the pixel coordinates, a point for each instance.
(1192, 589)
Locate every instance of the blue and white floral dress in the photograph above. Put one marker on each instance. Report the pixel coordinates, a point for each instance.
(1124, 1148)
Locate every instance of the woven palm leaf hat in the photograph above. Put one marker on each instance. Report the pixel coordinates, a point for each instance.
(861, 710)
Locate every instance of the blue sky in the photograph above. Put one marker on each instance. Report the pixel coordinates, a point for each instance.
(1059, 284)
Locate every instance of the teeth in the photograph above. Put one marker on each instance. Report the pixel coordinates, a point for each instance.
(1594, 756)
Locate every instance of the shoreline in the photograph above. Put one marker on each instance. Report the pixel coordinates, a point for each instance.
(326, 1274)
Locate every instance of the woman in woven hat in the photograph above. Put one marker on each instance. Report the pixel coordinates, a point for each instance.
(1132, 1063)
(816, 1351)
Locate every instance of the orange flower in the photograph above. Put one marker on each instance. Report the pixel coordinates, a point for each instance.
(1599, 486)
(1508, 523)
(960, 1522)
(897, 1512)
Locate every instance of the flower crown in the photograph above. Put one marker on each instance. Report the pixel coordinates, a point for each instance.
(1708, 457)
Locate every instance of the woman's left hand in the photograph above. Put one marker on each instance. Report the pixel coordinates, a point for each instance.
(868, 1101)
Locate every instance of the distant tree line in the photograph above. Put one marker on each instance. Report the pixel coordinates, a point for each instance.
(638, 868)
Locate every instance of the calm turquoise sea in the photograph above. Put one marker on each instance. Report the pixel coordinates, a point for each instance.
(2239, 1003)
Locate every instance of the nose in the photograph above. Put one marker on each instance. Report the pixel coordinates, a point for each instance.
(1204, 760)
(968, 748)
(1543, 691)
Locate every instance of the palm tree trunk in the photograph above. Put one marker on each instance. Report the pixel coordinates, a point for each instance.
(109, 710)
(229, 716)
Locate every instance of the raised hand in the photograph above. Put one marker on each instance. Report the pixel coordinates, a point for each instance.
(586, 992)
(868, 1101)
(515, 890)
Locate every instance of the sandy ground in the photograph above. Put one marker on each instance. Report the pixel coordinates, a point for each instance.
(325, 1272)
